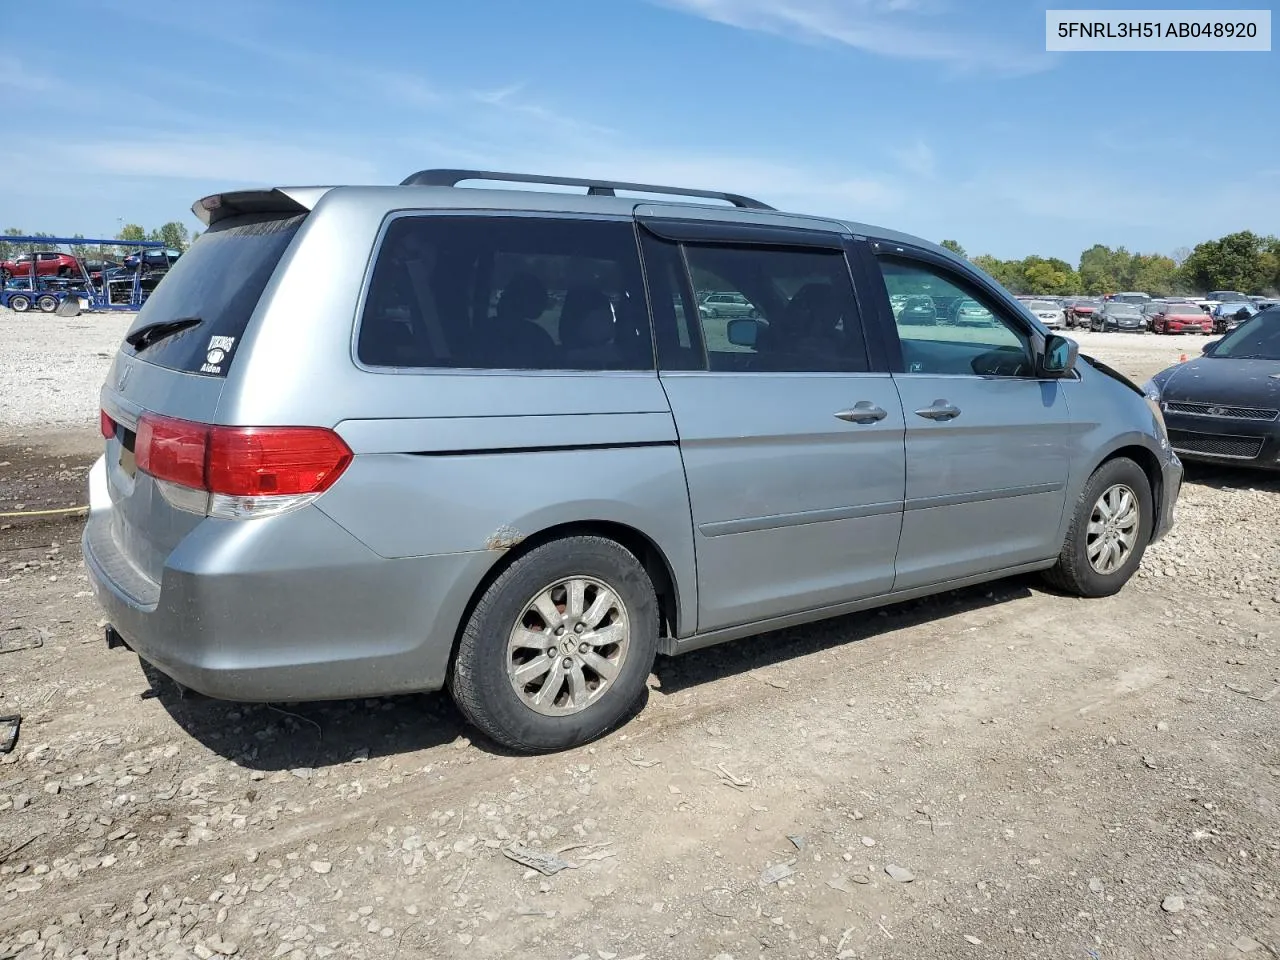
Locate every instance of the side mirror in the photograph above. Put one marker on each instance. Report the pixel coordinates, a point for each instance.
(1059, 357)
(742, 332)
(1209, 347)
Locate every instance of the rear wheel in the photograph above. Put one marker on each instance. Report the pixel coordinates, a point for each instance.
(47, 303)
(19, 303)
(1109, 532)
(559, 647)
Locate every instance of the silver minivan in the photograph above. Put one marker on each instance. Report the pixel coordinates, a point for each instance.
(371, 440)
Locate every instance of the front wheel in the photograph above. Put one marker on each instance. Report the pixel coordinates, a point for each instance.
(559, 647)
(1109, 532)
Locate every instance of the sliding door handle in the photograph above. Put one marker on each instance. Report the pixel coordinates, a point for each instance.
(864, 411)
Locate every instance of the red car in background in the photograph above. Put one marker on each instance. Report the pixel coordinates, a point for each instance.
(1179, 318)
(48, 264)
(1080, 311)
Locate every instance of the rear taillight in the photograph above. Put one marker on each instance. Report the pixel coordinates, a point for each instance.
(239, 472)
(106, 424)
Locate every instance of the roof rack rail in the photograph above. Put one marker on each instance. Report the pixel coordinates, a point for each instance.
(595, 188)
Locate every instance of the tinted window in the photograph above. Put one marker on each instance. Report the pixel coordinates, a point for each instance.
(220, 280)
(922, 294)
(791, 310)
(513, 293)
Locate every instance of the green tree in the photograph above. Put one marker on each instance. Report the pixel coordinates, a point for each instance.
(1233, 262)
(132, 233)
(954, 247)
(172, 234)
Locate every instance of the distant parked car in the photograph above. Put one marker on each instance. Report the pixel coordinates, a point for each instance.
(152, 259)
(48, 264)
(918, 310)
(1120, 316)
(1048, 313)
(1229, 315)
(1227, 296)
(95, 268)
(1080, 310)
(1168, 317)
(726, 305)
(1224, 407)
(970, 313)
(1130, 297)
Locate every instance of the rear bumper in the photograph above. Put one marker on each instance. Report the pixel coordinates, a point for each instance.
(284, 608)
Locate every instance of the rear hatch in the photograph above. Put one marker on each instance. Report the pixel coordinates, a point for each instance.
(173, 363)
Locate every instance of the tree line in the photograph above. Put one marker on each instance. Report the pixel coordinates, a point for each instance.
(172, 234)
(1242, 261)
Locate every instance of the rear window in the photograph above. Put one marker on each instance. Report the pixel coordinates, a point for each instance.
(512, 293)
(219, 280)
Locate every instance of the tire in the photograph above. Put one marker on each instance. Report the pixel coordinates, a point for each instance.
(47, 304)
(1074, 572)
(481, 681)
(20, 303)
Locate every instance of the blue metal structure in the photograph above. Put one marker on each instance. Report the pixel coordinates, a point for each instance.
(92, 296)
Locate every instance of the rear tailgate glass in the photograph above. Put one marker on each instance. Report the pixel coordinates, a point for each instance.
(219, 280)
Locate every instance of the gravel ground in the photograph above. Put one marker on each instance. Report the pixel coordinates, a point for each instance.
(995, 772)
(54, 366)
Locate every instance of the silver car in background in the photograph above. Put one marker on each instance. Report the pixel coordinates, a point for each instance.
(511, 456)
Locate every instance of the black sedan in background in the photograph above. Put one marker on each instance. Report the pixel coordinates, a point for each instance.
(1224, 407)
(1114, 315)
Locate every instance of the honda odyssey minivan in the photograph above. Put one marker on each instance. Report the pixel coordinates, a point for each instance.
(511, 456)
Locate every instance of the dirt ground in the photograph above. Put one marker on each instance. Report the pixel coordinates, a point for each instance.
(996, 772)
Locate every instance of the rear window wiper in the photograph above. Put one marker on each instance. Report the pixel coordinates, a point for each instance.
(144, 337)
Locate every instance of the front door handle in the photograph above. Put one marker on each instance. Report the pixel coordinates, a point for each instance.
(939, 410)
(864, 411)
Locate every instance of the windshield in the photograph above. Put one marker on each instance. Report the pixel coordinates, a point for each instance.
(1131, 298)
(1042, 305)
(1123, 310)
(1256, 339)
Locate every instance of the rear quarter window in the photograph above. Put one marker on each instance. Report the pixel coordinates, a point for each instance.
(510, 293)
(219, 280)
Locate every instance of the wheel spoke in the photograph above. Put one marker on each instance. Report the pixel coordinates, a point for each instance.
(1103, 508)
(576, 599)
(578, 692)
(550, 688)
(1113, 555)
(528, 672)
(606, 636)
(1095, 549)
(1095, 528)
(525, 639)
(600, 607)
(606, 668)
(547, 610)
(1127, 538)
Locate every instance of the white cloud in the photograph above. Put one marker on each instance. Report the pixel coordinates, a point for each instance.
(917, 159)
(227, 160)
(890, 28)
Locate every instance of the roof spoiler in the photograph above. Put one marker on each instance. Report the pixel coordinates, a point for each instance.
(595, 188)
(293, 200)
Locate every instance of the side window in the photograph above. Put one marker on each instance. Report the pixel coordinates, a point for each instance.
(675, 314)
(777, 310)
(518, 293)
(948, 327)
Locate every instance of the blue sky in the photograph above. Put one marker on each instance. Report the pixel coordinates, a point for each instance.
(944, 118)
